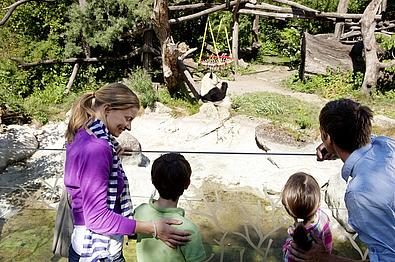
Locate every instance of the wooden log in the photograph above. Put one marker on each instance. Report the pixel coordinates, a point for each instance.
(339, 27)
(23, 64)
(188, 79)
(368, 25)
(147, 56)
(205, 12)
(299, 6)
(190, 7)
(72, 78)
(235, 34)
(320, 52)
(269, 7)
(255, 33)
(323, 15)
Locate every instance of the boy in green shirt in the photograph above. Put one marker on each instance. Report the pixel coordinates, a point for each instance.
(170, 175)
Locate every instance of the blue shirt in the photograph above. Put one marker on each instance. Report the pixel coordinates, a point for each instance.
(370, 196)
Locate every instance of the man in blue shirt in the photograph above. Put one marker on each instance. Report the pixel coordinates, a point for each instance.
(369, 169)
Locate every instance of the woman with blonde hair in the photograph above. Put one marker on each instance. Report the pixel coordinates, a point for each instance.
(94, 177)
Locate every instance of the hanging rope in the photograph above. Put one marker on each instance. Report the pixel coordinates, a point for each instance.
(204, 40)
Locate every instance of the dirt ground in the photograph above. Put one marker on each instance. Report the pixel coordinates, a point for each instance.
(269, 78)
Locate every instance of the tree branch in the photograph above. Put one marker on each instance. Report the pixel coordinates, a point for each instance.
(387, 64)
(12, 8)
(23, 64)
(72, 78)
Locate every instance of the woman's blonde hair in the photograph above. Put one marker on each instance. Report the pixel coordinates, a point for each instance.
(118, 96)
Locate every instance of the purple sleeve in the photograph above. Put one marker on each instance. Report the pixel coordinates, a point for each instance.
(95, 171)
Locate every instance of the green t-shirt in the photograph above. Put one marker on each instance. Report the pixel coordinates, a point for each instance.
(150, 249)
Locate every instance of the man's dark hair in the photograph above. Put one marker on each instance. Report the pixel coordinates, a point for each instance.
(347, 122)
(170, 174)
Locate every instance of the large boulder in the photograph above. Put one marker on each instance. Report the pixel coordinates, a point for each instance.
(129, 142)
(18, 143)
(334, 197)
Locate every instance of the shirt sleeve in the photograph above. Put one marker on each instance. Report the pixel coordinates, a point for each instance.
(327, 238)
(193, 251)
(95, 170)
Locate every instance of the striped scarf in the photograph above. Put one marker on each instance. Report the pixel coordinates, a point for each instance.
(96, 246)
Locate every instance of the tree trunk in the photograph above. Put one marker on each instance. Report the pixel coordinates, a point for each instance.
(368, 25)
(170, 52)
(339, 27)
(255, 33)
(147, 56)
(235, 34)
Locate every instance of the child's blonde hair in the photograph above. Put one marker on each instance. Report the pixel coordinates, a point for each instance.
(301, 198)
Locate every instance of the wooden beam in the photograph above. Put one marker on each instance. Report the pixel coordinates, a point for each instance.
(188, 79)
(189, 7)
(72, 78)
(269, 7)
(23, 64)
(339, 27)
(329, 15)
(299, 6)
(205, 12)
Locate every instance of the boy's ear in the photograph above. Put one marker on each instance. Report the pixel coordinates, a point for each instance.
(325, 137)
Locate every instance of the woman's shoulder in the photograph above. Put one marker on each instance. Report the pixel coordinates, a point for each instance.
(88, 143)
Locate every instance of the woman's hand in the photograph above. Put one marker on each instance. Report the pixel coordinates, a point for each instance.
(169, 235)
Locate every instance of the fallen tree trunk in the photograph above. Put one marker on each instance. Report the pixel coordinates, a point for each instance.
(322, 52)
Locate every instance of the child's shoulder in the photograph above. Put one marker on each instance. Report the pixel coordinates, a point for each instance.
(187, 224)
(141, 210)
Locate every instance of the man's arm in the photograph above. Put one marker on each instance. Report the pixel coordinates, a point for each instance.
(317, 253)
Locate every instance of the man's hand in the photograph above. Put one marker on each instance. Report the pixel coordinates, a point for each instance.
(317, 253)
(323, 154)
(169, 235)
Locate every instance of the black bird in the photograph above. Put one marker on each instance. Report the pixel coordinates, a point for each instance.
(216, 94)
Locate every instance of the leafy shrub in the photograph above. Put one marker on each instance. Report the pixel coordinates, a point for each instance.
(331, 86)
(279, 108)
(140, 82)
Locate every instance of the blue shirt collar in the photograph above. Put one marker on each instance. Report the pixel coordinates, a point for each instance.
(353, 159)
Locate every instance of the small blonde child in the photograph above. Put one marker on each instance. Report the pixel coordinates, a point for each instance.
(301, 198)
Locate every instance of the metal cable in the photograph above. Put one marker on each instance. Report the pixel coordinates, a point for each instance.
(130, 152)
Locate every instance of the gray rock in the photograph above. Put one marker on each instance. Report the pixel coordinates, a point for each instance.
(334, 197)
(129, 142)
(161, 108)
(383, 121)
(16, 144)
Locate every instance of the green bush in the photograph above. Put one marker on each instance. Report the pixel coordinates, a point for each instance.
(278, 108)
(332, 86)
(140, 82)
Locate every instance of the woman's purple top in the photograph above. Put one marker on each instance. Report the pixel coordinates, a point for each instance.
(87, 170)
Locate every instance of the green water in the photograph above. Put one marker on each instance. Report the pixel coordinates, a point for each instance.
(223, 218)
